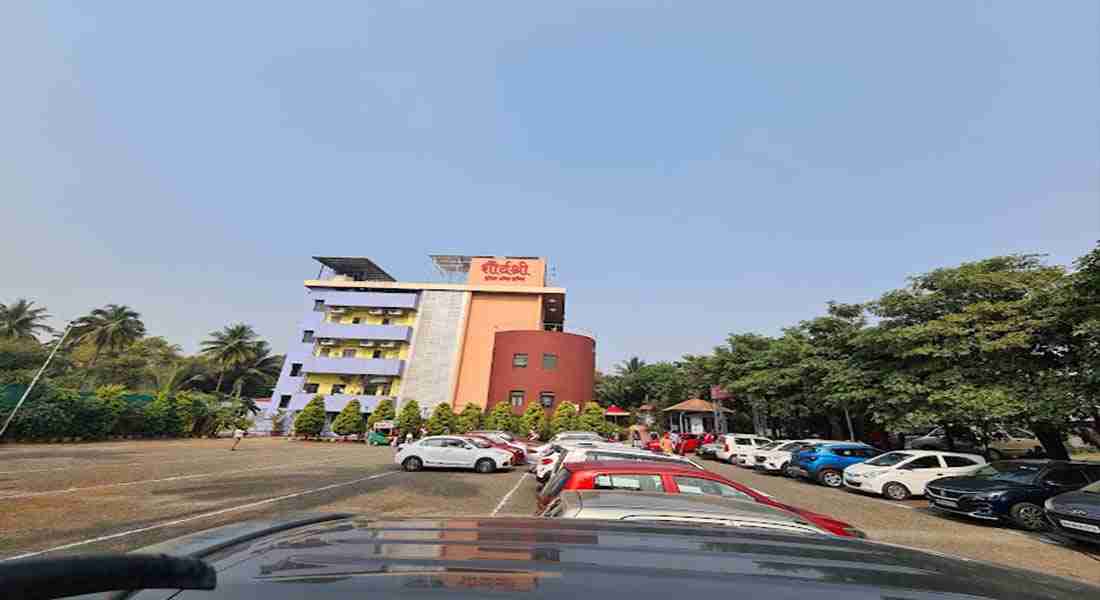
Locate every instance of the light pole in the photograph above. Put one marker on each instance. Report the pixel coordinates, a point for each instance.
(27, 392)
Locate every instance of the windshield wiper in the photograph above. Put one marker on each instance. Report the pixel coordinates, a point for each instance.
(45, 578)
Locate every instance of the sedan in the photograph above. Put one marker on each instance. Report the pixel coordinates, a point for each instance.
(1076, 515)
(899, 475)
(454, 452)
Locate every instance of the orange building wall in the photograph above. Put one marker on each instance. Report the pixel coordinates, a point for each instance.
(488, 314)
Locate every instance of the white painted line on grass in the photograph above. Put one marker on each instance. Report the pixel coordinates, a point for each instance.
(173, 478)
(504, 500)
(214, 513)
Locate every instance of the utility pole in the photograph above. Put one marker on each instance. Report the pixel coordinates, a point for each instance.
(27, 392)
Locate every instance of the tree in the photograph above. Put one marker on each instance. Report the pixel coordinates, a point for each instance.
(350, 420)
(630, 367)
(21, 321)
(534, 419)
(230, 347)
(111, 328)
(383, 412)
(257, 372)
(469, 419)
(502, 418)
(163, 416)
(442, 420)
(409, 419)
(592, 418)
(311, 421)
(565, 418)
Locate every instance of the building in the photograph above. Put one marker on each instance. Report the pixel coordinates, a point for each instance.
(490, 331)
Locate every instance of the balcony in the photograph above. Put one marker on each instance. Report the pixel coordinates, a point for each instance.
(337, 402)
(365, 299)
(342, 331)
(353, 366)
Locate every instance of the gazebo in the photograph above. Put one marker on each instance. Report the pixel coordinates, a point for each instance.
(614, 413)
(697, 416)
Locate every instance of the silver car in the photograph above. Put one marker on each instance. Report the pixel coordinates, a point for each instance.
(676, 508)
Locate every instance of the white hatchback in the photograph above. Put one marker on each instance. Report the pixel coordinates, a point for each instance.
(904, 473)
(736, 444)
(453, 452)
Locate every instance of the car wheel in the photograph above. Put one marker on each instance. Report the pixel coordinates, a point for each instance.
(895, 491)
(485, 465)
(995, 455)
(831, 478)
(412, 463)
(1029, 516)
(788, 471)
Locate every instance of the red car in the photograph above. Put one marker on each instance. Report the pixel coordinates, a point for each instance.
(688, 443)
(669, 478)
(518, 457)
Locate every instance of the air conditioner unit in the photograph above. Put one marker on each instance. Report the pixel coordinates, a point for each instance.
(395, 311)
(337, 311)
(376, 311)
(366, 344)
(387, 344)
(328, 342)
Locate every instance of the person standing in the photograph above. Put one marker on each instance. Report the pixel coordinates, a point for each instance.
(667, 446)
(238, 435)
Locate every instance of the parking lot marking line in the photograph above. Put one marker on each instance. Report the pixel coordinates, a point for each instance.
(504, 500)
(173, 478)
(214, 513)
(94, 464)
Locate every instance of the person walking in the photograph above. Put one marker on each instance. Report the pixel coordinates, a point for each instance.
(238, 435)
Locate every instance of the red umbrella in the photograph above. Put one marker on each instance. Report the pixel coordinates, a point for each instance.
(615, 411)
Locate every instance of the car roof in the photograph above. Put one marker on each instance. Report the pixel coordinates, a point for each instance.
(659, 501)
(634, 466)
(846, 445)
(934, 453)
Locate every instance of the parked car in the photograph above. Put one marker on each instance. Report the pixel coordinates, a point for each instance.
(739, 443)
(644, 476)
(451, 451)
(748, 457)
(481, 441)
(503, 437)
(620, 452)
(777, 459)
(708, 450)
(565, 436)
(1011, 490)
(825, 463)
(904, 473)
(691, 509)
(1007, 442)
(1076, 515)
(330, 557)
(689, 442)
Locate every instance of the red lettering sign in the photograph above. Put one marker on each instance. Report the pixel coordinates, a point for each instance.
(506, 271)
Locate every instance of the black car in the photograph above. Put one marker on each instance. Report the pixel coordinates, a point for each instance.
(1011, 490)
(430, 559)
(1076, 515)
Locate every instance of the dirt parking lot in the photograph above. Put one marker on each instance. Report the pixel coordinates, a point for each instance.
(124, 495)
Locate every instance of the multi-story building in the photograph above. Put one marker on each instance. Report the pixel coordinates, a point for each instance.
(496, 337)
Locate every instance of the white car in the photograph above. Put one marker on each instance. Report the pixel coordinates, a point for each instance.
(548, 461)
(453, 452)
(621, 452)
(904, 473)
(734, 444)
(748, 457)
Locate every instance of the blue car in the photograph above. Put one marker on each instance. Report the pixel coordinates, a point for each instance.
(1011, 490)
(824, 463)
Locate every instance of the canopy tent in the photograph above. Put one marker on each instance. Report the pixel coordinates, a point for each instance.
(697, 415)
(615, 411)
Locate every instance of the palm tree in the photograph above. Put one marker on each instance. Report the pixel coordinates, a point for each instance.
(630, 367)
(231, 346)
(260, 368)
(21, 321)
(111, 328)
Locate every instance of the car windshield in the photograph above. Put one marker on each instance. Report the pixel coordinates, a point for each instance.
(768, 446)
(888, 460)
(1008, 471)
(1020, 433)
(480, 443)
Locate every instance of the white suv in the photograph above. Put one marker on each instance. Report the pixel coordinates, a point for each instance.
(454, 452)
(898, 475)
(734, 444)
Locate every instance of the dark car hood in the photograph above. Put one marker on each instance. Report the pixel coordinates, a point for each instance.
(974, 484)
(567, 559)
(1076, 503)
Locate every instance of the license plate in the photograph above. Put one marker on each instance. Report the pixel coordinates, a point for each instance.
(950, 503)
(1079, 526)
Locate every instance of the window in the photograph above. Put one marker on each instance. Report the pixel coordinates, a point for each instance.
(432, 443)
(1066, 478)
(517, 397)
(958, 461)
(638, 483)
(338, 388)
(376, 354)
(761, 442)
(1020, 433)
(706, 487)
(356, 320)
(550, 361)
(742, 441)
(310, 388)
(349, 353)
(519, 361)
(307, 336)
(325, 352)
(295, 369)
(318, 305)
(386, 321)
(284, 401)
(377, 389)
(546, 399)
(924, 462)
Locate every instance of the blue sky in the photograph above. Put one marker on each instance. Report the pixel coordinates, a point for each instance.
(691, 168)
